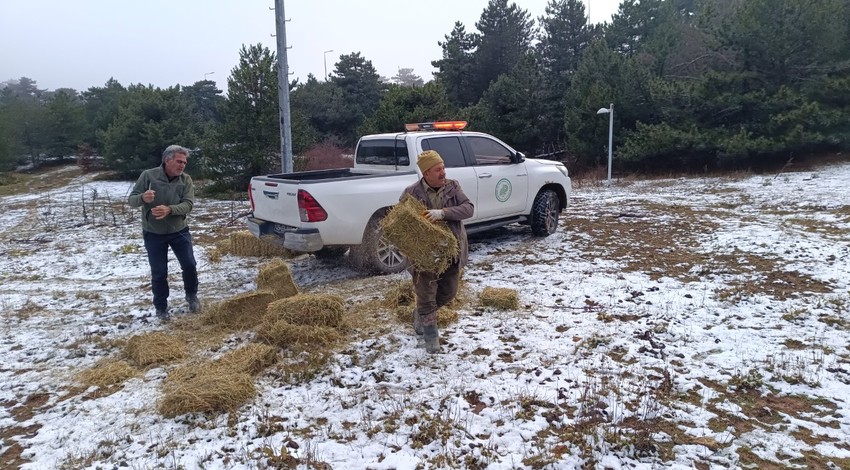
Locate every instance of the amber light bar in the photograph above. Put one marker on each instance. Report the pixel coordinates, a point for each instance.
(436, 126)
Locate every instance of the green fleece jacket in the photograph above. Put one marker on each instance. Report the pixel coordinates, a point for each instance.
(177, 193)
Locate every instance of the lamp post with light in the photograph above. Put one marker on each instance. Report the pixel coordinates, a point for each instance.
(208, 73)
(610, 112)
(325, 56)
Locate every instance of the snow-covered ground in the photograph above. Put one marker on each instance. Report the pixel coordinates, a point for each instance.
(681, 323)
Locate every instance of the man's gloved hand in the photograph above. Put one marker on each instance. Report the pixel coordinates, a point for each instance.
(434, 214)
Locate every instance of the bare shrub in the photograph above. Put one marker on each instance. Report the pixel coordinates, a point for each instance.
(326, 155)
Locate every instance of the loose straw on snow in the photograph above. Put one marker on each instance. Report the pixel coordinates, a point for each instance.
(154, 348)
(107, 373)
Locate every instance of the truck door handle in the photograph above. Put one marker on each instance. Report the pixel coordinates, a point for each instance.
(271, 194)
(485, 175)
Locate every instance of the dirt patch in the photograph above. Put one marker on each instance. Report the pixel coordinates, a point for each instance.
(28, 409)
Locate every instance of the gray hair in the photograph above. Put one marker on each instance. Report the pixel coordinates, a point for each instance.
(173, 150)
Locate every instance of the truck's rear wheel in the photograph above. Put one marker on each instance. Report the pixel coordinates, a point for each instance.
(375, 254)
(544, 213)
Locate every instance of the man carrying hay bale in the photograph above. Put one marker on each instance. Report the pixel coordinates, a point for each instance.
(445, 201)
(166, 195)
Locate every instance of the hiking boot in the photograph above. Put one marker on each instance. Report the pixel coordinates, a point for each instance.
(162, 314)
(194, 303)
(432, 339)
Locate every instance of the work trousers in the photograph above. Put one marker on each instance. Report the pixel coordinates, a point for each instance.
(157, 247)
(434, 291)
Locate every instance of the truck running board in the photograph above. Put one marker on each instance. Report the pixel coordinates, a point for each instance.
(484, 226)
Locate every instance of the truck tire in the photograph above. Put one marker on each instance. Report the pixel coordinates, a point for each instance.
(544, 213)
(375, 254)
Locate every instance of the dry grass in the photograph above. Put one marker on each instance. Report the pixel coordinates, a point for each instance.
(107, 373)
(669, 238)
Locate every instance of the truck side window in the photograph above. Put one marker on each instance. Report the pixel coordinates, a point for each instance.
(449, 148)
(489, 152)
(382, 152)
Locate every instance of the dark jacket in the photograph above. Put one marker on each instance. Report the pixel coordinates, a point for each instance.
(456, 207)
(179, 194)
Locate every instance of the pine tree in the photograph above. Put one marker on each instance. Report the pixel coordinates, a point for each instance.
(455, 68)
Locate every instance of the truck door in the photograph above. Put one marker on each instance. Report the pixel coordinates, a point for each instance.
(457, 167)
(502, 180)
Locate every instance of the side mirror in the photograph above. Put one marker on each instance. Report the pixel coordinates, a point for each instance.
(519, 157)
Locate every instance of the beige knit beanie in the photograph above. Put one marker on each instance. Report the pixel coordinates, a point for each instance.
(428, 159)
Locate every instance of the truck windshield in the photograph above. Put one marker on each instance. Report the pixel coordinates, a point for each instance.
(382, 152)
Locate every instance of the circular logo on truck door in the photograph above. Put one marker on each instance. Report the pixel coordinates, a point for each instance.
(503, 190)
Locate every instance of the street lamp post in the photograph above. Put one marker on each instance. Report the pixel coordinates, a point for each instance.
(208, 73)
(610, 112)
(325, 56)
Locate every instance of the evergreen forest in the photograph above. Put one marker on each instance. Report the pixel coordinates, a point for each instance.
(696, 85)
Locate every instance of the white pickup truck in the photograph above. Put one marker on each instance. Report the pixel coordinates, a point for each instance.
(327, 212)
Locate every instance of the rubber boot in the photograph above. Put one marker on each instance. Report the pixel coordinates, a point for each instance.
(194, 303)
(432, 339)
(417, 329)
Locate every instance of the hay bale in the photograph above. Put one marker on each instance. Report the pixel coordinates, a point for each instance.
(287, 335)
(207, 392)
(307, 309)
(214, 254)
(502, 298)
(154, 348)
(445, 315)
(242, 311)
(246, 244)
(107, 373)
(429, 246)
(276, 277)
(250, 359)
(400, 294)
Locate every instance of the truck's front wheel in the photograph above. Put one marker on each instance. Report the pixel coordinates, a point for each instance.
(544, 213)
(376, 254)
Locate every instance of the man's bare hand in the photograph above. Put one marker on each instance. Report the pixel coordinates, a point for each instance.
(148, 196)
(161, 212)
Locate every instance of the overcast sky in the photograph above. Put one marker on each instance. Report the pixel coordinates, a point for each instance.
(82, 43)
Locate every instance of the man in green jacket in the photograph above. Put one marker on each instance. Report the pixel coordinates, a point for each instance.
(166, 196)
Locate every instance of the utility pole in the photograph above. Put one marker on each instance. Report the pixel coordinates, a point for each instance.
(283, 89)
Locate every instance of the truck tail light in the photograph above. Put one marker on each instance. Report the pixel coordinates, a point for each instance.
(309, 208)
(251, 196)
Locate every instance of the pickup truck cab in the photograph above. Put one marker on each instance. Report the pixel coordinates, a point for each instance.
(329, 211)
